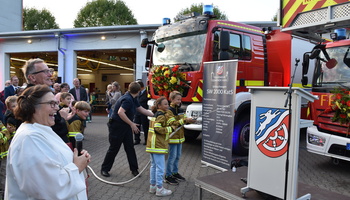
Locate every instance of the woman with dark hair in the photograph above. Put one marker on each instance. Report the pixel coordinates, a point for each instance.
(39, 164)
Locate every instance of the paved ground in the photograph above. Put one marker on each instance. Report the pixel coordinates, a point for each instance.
(314, 170)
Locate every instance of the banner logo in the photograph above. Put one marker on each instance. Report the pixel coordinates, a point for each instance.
(271, 131)
(220, 70)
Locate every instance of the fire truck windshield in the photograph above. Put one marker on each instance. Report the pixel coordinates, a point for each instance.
(336, 76)
(180, 50)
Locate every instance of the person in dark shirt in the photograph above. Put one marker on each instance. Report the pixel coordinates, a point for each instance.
(121, 129)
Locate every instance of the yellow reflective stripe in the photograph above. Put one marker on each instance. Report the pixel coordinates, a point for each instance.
(200, 91)
(154, 150)
(167, 136)
(171, 120)
(181, 121)
(250, 83)
(241, 27)
(72, 134)
(176, 141)
(195, 99)
(1, 135)
(5, 139)
(158, 125)
(301, 86)
(3, 128)
(153, 142)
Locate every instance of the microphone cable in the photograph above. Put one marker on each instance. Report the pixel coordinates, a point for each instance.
(128, 181)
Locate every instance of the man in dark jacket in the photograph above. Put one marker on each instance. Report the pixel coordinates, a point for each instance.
(78, 91)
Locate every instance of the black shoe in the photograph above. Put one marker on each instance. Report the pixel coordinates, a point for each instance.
(104, 173)
(135, 172)
(136, 142)
(178, 177)
(171, 180)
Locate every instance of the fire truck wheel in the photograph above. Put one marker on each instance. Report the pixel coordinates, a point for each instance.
(190, 135)
(240, 138)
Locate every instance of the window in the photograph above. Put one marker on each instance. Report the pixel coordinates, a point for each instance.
(238, 49)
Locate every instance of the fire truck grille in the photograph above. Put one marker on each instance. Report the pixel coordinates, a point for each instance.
(339, 150)
(322, 15)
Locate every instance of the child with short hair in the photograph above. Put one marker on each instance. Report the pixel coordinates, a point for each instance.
(176, 118)
(157, 146)
(75, 124)
(11, 103)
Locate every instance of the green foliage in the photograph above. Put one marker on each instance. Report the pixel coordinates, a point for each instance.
(104, 13)
(34, 19)
(199, 9)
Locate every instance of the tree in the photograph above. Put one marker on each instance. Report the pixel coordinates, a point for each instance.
(199, 9)
(34, 19)
(104, 13)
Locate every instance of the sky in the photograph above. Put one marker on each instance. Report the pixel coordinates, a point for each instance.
(153, 11)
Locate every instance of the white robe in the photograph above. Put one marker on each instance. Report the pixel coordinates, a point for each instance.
(40, 166)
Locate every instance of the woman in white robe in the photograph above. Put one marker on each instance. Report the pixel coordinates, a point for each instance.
(40, 165)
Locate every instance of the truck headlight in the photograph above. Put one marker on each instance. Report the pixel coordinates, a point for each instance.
(316, 140)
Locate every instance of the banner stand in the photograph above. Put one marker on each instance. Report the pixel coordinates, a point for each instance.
(268, 141)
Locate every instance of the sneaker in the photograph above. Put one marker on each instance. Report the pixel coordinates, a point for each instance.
(171, 180)
(152, 189)
(161, 192)
(178, 177)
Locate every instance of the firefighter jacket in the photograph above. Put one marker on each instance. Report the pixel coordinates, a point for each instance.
(158, 134)
(176, 117)
(5, 137)
(75, 126)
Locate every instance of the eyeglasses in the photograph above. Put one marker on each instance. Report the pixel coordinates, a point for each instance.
(53, 104)
(46, 71)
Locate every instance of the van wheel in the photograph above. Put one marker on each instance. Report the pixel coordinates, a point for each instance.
(191, 135)
(240, 137)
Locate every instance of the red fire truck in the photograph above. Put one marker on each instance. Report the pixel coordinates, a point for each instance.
(315, 20)
(266, 57)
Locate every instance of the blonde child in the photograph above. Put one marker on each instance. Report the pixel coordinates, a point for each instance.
(157, 146)
(75, 124)
(176, 118)
(11, 103)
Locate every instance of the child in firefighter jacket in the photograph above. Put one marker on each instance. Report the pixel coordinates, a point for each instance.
(176, 118)
(76, 123)
(157, 146)
(5, 136)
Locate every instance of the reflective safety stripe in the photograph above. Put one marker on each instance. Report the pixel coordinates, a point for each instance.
(72, 134)
(250, 83)
(199, 93)
(181, 121)
(153, 150)
(241, 27)
(176, 141)
(157, 125)
(171, 120)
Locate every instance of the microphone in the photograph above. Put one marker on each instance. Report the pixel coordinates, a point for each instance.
(79, 142)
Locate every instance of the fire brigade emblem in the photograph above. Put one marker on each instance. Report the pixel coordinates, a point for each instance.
(271, 132)
(220, 70)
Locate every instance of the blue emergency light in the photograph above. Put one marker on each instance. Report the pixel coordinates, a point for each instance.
(166, 21)
(341, 33)
(208, 10)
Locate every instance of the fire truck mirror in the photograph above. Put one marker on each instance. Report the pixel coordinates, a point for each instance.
(144, 42)
(305, 63)
(224, 40)
(304, 80)
(346, 58)
(315, 53)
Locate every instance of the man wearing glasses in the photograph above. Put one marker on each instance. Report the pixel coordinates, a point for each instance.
(37, 72)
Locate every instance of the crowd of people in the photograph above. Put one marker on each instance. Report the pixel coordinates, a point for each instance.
(47, 116)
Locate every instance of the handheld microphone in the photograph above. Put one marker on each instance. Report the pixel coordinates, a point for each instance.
(79, 142)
